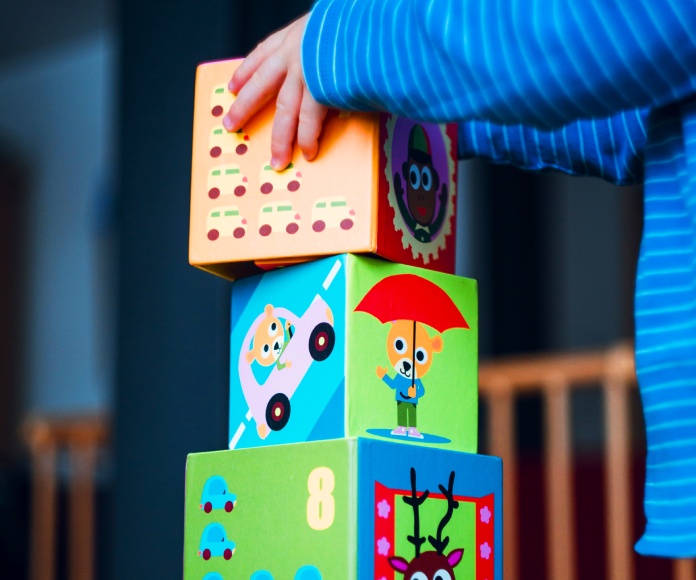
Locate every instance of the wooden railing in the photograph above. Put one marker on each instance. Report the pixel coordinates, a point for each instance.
(555, 377)
(80, 439)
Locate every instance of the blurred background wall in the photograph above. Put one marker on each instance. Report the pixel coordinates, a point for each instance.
(100, 312)
(58, 112)
(57, 116)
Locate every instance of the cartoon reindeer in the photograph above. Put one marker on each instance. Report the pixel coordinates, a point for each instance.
(430, 565)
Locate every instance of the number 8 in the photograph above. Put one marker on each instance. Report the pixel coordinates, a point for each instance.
(321, 507)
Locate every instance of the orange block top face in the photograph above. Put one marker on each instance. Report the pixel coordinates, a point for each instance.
(245, 213)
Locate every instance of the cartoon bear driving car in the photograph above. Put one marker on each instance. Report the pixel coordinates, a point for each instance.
(410, 350)
(271, 338)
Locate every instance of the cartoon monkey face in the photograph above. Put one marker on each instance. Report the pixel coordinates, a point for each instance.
(269, 338)
(400, 348)
(422, 184)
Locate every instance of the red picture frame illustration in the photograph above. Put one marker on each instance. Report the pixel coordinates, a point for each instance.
(385, 530)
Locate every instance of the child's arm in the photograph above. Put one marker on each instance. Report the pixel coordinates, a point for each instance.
(275, 68)
(354, 56)
(544, 63)
(610, 148)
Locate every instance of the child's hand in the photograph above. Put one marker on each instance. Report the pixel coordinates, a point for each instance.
(274, 67)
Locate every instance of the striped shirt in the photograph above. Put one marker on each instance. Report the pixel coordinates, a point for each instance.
(587, 87)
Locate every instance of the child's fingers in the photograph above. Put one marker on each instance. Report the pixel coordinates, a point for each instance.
(285, 121)
(262, 85)
(311, 119)
(254, 60)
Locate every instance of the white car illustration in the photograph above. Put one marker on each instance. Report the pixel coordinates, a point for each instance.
(278, 216)
(222, 142)
(287, 180)
(225, 221)
(226, 180)
(332, 212)
(221, 100)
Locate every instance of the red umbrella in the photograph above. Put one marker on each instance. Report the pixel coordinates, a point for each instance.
(411, 297)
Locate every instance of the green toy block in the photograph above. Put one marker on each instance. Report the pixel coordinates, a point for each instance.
(345, 509)
(352, 346)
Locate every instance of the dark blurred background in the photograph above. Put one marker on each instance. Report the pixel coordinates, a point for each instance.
(100, 313)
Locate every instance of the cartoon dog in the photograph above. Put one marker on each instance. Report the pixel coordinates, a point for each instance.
(404, 337)
(271, 338)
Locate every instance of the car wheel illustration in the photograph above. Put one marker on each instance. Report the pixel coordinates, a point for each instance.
(206, 554)
(265, 230)
(278, 411)
(217, 111)
(293, 185)
(318, 226)
(213, 235)
(239, 233)
(214, 192)
(241, 149)
(267, 188)
(346, 224)
(208, 507)
(321, 341)
(292, 228)
(215, 152)
(240, 190)
(229, 506)
(227, 554)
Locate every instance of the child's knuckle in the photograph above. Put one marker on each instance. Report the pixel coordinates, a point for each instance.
(279, 144)
(258, 83)
(282, 106)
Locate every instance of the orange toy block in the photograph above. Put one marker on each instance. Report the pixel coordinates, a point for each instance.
(381, 184)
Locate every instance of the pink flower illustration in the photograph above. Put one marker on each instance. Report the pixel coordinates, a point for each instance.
(383, 509)
(383, 546)
(485, 551)
(485, 514)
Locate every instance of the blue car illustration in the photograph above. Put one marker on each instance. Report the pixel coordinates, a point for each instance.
(214, 542)
(308, 573)
(216, 495)
(304, 573)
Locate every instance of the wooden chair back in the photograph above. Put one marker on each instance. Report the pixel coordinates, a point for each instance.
(555, 377)
(80, 439)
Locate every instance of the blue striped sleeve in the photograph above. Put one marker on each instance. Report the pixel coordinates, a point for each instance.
(610, 148)
(561, 85)
(543, 63)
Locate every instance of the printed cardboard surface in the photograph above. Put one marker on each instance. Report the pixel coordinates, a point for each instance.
(351, 198)
(390, 305)
(282, 388)
(418, 188)
(326, 349)
(342, 510)
(275, 524)
(393, 477)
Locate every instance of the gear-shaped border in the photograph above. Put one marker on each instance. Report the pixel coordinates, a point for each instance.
(431, 249)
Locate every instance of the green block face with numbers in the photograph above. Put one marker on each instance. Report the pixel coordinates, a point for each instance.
(342, 510)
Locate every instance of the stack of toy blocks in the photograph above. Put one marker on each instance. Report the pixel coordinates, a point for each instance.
(353, 384)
